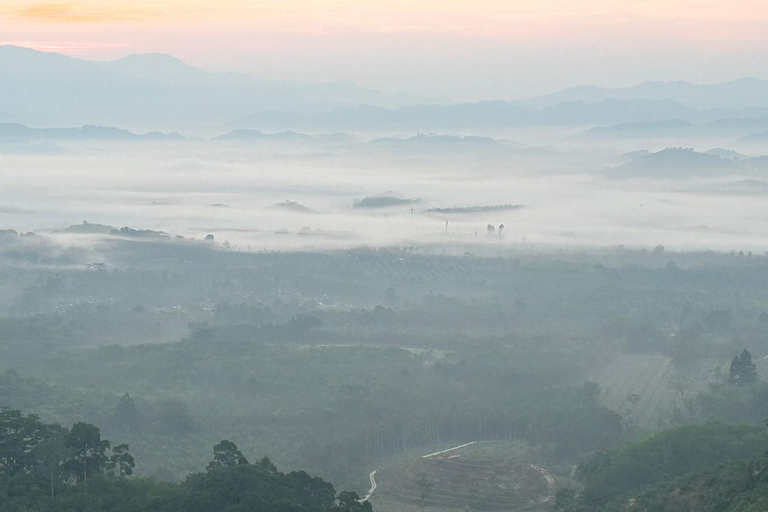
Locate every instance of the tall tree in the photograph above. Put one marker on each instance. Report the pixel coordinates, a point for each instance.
(52, 453)
(89, 450)
(226, 455)
(120, 463)
(127, 414)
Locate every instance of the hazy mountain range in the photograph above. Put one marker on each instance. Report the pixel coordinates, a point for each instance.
(493, 114)
(745, 128)
(159, 92)
(743, 93)
(12, 132)
(153, 91)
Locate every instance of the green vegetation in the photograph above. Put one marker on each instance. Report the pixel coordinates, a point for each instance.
(613, 478)
(46, 467)
(333, 363)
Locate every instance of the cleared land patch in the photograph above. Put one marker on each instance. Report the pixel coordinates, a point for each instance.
(493, 476)
(647, 388)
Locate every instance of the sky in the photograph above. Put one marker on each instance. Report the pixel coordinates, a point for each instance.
(452, 49)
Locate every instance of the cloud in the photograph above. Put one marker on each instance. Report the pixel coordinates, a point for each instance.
(80, 13)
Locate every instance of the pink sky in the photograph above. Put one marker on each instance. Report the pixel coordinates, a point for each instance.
(461, 49)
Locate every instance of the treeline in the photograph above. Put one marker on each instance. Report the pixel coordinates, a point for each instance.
(46, 468)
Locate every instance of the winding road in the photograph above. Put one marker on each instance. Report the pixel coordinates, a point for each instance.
(372, 478)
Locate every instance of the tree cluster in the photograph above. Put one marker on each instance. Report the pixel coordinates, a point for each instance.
(49, 468)
(59, 455)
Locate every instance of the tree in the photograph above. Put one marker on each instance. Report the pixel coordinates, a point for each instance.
(88, 450)
(19, 434)
(267, 464)
(390, 295)
(52, 452)
(121, 462)
(127, 414)
(743, 370)
(226, 455)
(314, 491)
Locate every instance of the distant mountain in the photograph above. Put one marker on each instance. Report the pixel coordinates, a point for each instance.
(411, 118)
(729, 127)
(16, 132)
(153, 91)
(675, 163)
(436, 140)
(673, 128)
(469, 116)
(160, 92)
(755, 137)
(738, 94)
(256, 135)
(613, 111)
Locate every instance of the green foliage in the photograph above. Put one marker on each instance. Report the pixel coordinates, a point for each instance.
(743, 403)
(95, 482)
(616, 477)
(226, 455)
(743, 371)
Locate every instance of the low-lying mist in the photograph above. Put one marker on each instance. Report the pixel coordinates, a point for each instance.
(280, 196)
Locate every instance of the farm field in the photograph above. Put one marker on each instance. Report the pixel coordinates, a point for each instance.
(646, 389)
(488, 475)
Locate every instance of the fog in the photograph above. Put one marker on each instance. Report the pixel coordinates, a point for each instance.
(571, 195)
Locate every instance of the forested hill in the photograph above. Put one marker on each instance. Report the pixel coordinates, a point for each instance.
(47, 468)
(699, 468)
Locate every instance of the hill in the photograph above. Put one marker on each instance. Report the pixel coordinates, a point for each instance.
(675, 163)
(650, 470)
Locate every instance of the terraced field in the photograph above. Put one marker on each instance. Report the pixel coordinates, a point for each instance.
(647, 388)
(492, 476)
